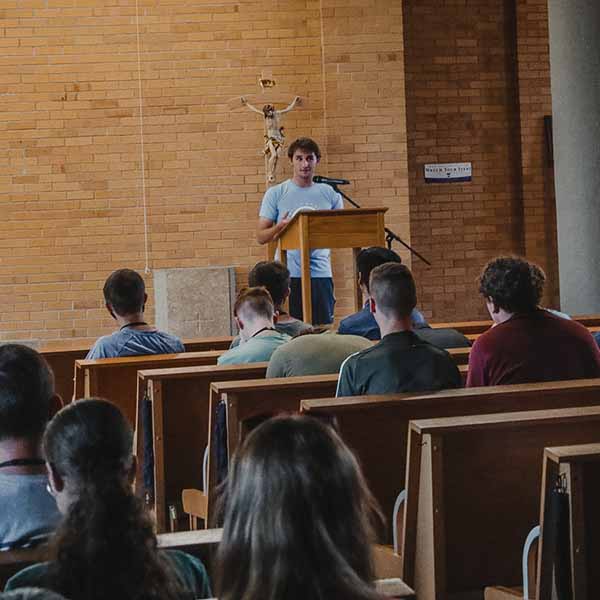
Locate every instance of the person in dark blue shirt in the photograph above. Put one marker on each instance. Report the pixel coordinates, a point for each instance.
(363, 322)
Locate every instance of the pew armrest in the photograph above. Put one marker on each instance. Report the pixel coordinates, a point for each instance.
(529, 559)
(400, 500)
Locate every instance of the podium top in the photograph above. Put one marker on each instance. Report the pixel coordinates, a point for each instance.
(338, 228)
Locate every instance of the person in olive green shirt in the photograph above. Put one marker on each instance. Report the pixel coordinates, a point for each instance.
(316, 352)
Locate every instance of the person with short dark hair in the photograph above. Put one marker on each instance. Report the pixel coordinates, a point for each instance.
(401, 361)
(526, 343)
(275, 277)
(105, 546)
(125, 299)
(363, 322)
(254, 312)
(280, 203)
(28, 514)
(299, 519)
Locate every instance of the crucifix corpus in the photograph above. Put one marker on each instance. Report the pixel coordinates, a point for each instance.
(274, 136)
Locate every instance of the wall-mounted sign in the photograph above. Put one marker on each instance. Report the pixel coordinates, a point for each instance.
(447, 172)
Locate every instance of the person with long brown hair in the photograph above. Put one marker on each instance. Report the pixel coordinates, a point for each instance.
(298, 518)
(105, 546)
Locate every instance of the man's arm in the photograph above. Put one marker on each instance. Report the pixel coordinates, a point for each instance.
(345, 386)
(476, 375)
(267, 230)
(250, 106)
(296, 101)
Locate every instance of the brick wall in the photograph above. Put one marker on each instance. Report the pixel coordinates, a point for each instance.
(71, 194)
(477, 77)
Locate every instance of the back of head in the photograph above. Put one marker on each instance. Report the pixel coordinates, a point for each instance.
(513, 284)
(31, 594)
(90, 442)
(273, 276)
(369, 258)
(298, 516)
(26, 389)
(393, 289)
(254, 303)
(125, 291)
(106, 529)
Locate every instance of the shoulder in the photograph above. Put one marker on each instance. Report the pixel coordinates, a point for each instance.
(171, 340)
(106, 346)
(276, 191)
(32, 576)
(190, 571)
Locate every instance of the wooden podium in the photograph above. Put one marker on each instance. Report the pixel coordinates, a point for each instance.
(354, 228)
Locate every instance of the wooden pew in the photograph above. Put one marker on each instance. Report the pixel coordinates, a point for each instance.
(472, 490)
(202, 544)
(576, 469)
(62, 356)
(116, 378)
(376, 427)
(179, 400)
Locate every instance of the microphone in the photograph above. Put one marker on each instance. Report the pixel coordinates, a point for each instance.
(330, 180)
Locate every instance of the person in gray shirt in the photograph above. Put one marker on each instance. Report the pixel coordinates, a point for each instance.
(125, 298)
(28, 513)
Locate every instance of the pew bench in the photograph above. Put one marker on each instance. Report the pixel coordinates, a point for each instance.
(473, 488)
(376, 427)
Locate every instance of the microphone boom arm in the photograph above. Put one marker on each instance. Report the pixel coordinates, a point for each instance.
(390, 236)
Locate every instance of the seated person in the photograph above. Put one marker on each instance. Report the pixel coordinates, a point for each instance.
(125, 297)
(314, 352)
(526, 343)
(254, 312)
(28, 514)
(401, 361)
(296, 500)
(105, 546)
(276, 278)
(364, 323)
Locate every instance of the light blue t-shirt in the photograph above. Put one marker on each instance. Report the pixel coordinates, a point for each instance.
(256, 349)
(133, 342)
(287, 197)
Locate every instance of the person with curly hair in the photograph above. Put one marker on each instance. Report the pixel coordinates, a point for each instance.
(298, 518)
(105, 546)
(526, 343)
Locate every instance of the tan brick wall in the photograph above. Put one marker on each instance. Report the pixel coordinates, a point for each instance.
(70, 193)
(472, 97)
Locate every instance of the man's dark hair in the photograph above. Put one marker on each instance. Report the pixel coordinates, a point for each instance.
(305, 144)
(393, 288)
(512, 283)
(26, 388)
(272, 275)
(369, 258)
(255, 300)
(124, 290)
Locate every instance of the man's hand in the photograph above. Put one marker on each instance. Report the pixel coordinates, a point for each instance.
(267, 231)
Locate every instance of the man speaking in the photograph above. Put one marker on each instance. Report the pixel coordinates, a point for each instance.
(280, 203)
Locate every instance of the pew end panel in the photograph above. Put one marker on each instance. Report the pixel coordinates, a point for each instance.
(179, 413)
(474, 495)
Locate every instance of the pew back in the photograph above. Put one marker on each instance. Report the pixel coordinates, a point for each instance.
(116, 378)
(473, 489)
(376, 427)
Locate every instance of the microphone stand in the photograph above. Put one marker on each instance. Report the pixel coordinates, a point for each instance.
(390, 236)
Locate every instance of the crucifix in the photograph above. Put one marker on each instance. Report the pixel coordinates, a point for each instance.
(274, 135)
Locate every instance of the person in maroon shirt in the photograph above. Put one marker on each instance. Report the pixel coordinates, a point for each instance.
(526, 342)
